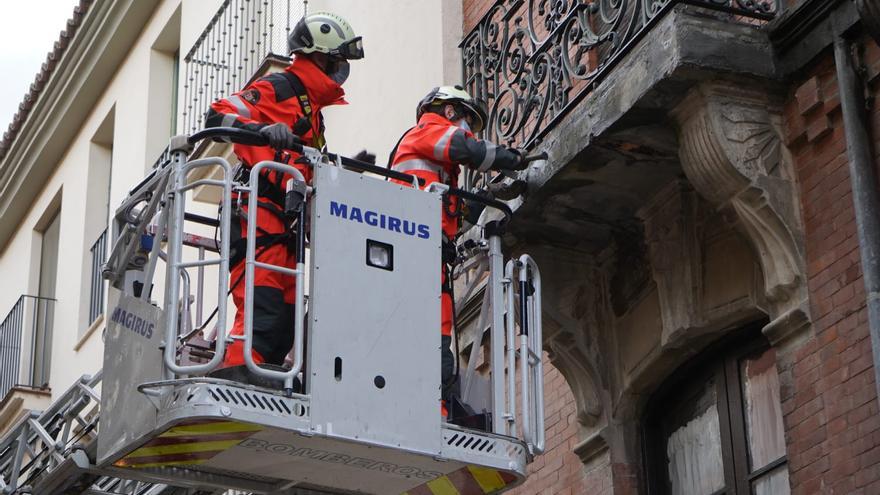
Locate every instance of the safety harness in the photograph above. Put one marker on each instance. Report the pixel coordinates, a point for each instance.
(270, 191)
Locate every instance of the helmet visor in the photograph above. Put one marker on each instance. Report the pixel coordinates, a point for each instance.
(353, 49)
(477, 116)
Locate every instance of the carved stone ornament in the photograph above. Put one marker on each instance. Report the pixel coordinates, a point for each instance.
(731, 151)
(575, 314)
(671, 224)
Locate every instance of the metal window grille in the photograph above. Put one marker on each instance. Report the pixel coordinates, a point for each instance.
(230, 50)
(25, 314)
(96, 295)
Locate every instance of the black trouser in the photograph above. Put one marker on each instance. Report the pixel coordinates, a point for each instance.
(273, 324)
(447, 367)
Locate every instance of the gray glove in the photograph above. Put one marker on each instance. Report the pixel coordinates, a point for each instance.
(280, 136)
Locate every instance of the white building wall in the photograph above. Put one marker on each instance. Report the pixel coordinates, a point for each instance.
(410, 48)
(407, 46)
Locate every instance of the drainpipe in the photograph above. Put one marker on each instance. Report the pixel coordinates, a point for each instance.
(863, 178)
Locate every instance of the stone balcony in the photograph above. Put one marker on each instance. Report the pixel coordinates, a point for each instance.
(668, 211)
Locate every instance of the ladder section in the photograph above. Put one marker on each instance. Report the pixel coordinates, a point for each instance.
(53, 452)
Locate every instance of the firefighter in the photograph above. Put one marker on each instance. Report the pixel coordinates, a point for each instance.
(285, 108)
(443, 139)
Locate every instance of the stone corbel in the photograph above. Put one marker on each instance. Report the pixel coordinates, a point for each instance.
(671, 222)
(575, 314)
(731, 151)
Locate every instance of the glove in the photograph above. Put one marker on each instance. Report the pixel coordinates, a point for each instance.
(510, 159)
(520, 163)
(365, 156)
(280, 136)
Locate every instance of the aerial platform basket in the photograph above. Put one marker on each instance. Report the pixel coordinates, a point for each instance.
(356, 409)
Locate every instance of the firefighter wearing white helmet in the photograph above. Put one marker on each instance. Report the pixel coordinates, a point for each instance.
(285, 107)
(442, 140)
(326, 33)
(329, 40)
(455, 95)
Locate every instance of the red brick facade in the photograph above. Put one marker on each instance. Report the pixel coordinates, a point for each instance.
(828, 392)
(473, 11)
(560, 470)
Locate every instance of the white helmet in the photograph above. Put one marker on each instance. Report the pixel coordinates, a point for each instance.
(327, 33)
(455, 95)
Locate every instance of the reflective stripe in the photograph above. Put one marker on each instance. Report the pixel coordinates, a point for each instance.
(228, 121)
(489, 480)
(469, 480)
(489, 159)
(440, 147)
(239, 105)
(419, 164)
(442, 486)
(189, 444)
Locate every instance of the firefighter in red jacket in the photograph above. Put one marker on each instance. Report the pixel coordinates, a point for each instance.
(442, 140)
(286, 108)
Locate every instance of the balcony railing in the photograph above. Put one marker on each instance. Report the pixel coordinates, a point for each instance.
(533, 60)
(96, 294)
(229, 51)
(29, 317)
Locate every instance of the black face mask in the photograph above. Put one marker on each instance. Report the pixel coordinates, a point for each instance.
(339, 71)
(335, 68)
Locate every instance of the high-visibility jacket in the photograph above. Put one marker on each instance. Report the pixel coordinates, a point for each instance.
(433, 150)
(272, 99)
(269, 100)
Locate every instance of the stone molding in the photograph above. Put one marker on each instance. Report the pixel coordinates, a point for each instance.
(592, 447)
(732, 152)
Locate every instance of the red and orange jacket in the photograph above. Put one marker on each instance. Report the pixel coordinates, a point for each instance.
(272, 99)
(434, 149)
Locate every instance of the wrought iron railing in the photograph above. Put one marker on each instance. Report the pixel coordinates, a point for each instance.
(29, 313)
(231, 48)
(96, 293)
(533, 60)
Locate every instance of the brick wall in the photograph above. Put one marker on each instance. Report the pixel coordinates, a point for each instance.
(473, 11)
(828, 393)
(558, 470)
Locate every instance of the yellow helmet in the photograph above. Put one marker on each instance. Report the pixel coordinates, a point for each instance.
(327, 33)
(455, 95)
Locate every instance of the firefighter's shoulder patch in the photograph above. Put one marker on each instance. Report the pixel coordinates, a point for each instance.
(251, 96)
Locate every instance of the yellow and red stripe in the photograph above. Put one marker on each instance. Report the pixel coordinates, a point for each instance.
(189, 443)
(469, 480)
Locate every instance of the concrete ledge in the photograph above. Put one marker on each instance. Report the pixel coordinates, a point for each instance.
(18, 401)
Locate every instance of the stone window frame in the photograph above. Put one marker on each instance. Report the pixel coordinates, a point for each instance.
(722, 360)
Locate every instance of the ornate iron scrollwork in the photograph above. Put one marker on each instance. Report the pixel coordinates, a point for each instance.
(532, 60)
